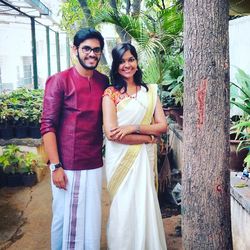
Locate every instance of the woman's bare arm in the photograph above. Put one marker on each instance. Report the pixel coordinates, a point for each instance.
(157, 128)
(110, 123)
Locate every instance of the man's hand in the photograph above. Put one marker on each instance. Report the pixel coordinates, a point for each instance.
(59, 178)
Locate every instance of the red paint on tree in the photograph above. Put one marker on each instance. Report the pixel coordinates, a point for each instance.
(201, 98)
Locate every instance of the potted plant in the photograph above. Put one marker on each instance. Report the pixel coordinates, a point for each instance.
(239, 143)
(6, 120)
(34, 106)
(28, 163)
(18, 99)
(172, 94)
(10, 162)
(34, 122)
(21, 123)
(20, 112)
(242, 137)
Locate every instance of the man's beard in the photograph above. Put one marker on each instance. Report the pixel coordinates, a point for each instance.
(84, 65)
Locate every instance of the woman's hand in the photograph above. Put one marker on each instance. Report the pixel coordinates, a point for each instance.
(119, 132)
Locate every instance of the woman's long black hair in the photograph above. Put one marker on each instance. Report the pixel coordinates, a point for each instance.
(116, 79)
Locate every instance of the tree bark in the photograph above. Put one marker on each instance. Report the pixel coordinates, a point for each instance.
(136, 7)
(89, 22)
(124, 36)
(86, 11)
(128, 6)
(206, 177)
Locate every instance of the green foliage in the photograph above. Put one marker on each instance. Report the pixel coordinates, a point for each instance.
(72, 16)
(156, 32)
(21, 106)
(13, 160)
(28, 162)
(10, 159)
(153, 31)
(151, 72)
(166, 99)
(241, 98)
(160, 4)
(242, 130)
(157, 36)
(247, 160)
(170, 77)
(174, 78)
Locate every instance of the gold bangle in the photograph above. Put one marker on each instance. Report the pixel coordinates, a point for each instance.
(152, 138)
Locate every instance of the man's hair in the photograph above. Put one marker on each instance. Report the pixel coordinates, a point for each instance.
(88, 33)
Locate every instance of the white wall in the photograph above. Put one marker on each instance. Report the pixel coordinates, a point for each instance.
(239, 45)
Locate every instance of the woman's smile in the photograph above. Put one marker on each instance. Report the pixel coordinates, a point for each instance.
(128, 65)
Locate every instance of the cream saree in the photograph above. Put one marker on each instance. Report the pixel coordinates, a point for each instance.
(135, 221)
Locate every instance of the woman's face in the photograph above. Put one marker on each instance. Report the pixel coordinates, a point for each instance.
(128, 66)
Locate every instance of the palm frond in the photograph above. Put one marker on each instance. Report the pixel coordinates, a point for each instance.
(147, 32)
(151, 71)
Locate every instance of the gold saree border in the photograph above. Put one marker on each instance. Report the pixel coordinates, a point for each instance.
(132, 152)
(155, 168)
(123, 169)
(122, 104)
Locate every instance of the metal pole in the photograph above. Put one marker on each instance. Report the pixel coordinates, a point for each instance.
(68, 51)
(48, 51)
(58, 52)
(33, 40)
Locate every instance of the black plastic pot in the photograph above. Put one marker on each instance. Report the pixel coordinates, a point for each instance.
(14, 180)
(34, 132)
(21, 132)
(3, 178)
(7, 133)
(29, 179)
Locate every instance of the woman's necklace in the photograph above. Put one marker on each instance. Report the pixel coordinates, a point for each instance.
(133, 96)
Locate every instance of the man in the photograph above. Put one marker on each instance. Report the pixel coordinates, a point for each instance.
(71, 127)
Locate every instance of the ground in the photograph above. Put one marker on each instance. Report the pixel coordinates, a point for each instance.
(25, 215)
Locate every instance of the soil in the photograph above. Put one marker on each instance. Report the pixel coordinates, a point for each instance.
(25, 216)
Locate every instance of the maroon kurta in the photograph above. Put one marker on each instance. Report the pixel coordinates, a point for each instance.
(72, 109)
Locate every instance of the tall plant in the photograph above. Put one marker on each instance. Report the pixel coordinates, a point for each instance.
(157, 34)
(240, 97)
(156, 31)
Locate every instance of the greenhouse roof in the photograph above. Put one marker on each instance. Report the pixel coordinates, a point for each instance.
(12, 10)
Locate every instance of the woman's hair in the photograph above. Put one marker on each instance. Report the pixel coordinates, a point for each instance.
(116, 79)
(88, 33)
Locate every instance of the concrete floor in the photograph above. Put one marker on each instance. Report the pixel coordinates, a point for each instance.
(25, 216)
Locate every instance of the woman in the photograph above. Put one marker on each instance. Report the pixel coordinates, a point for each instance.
(129, 109)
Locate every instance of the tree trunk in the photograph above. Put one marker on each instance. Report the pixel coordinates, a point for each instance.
(86, 11)
(206, 180)
(136, 7)
(89, 22)
(124, 36)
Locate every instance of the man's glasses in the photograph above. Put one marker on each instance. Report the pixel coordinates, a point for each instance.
(87, 50)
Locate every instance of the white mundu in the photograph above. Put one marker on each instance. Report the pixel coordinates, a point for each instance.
(135, 221)
(77, 211)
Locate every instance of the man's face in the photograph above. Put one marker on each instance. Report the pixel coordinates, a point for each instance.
(89, 53)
